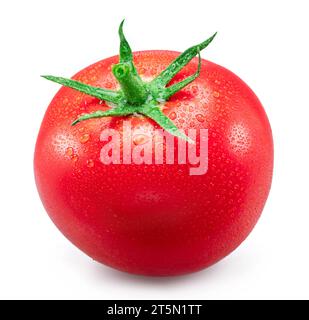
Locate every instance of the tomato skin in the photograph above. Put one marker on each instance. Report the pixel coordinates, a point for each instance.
(157, 219)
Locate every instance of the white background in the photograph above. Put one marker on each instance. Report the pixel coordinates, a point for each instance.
(264, 42)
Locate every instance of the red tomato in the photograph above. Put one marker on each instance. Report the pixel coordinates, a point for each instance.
(157, 219)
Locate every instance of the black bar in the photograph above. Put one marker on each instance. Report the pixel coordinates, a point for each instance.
(160, 309)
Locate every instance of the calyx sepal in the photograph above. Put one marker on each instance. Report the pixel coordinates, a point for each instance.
(135, 95)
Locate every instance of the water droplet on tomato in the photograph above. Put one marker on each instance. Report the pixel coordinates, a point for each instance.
(142, 71)
(69, 151)
(173, 115)
(108, 85)
(217, 81)
(140, 139)
(84, 138)
(74, 157)
(216, 94)
(200, 118)
(194, 89)
(154, 71)
(90, 163)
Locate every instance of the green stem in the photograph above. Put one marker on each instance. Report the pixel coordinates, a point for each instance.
(115, 112)
(171, 90)
(182, 60)
(100, 93)
(132, 86)
(136, 96)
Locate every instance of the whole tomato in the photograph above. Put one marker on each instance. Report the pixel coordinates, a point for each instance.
(145, 217)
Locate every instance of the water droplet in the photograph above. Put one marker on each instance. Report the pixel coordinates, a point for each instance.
(74, 157)
(194, 89)
(153, 71)
(216, 94)
(217, 81)
(108, 85)
(90, 163)
(84, 138)
(140, 139)
(173, 115)
(200, 118)
(81, 129)
(142, 71)
(69, 151)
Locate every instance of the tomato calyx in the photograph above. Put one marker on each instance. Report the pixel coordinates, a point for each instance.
(134, 90)
(135, 95)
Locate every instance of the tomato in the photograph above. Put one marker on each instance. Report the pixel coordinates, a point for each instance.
(156, 219)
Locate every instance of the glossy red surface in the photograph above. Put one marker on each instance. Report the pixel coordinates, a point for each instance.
(157, 219)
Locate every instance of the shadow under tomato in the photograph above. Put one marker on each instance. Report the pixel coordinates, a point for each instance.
(103, 272)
